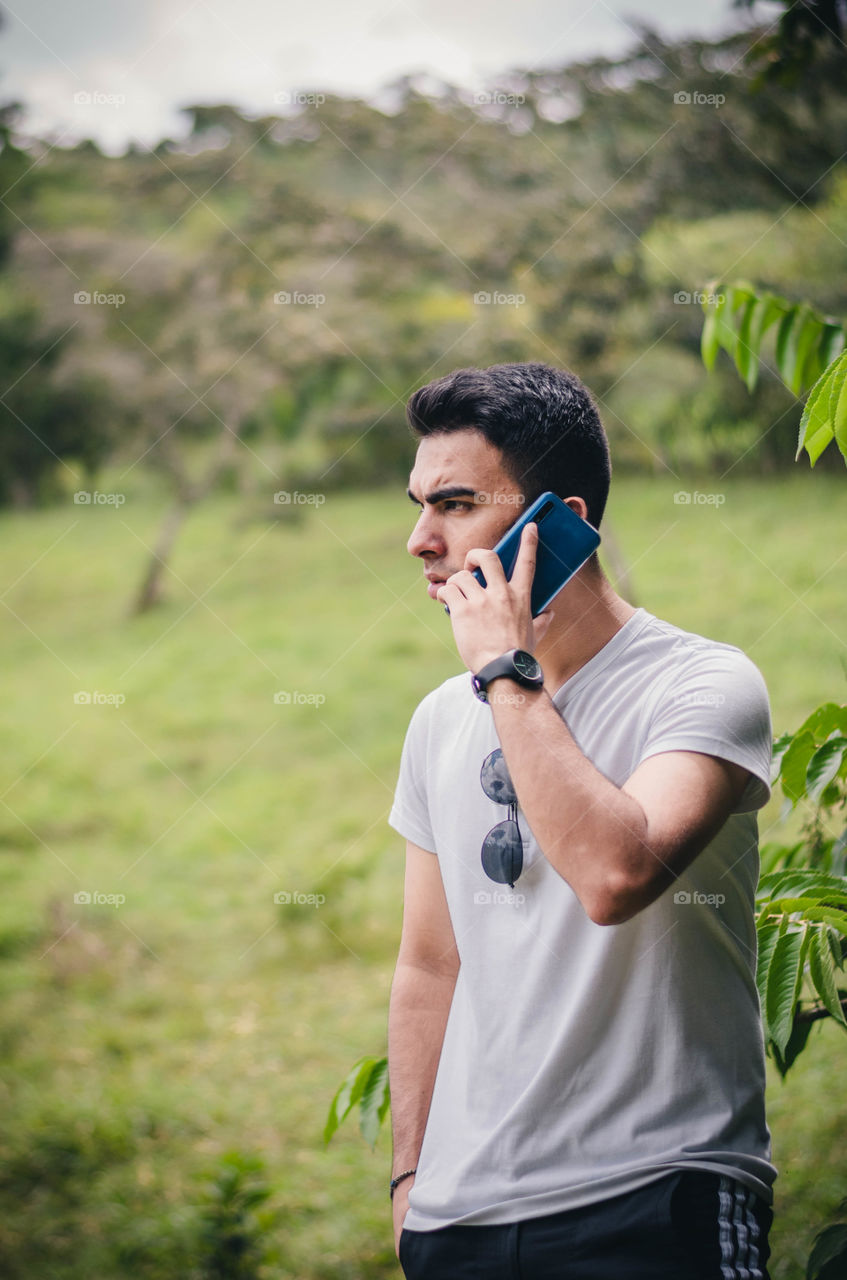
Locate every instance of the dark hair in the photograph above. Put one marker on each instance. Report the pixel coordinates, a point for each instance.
(542, 420)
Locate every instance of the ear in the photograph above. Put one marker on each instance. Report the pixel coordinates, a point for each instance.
(579, 506)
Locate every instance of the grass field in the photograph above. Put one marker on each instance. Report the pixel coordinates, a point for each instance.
(145, 1040)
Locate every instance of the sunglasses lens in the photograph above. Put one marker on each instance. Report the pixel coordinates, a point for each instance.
(495, 780)
(502, 853)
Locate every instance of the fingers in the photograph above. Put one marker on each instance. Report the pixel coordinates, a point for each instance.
(524, 570)
(458, 587)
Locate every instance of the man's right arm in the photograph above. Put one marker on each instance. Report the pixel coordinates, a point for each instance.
(421, 995)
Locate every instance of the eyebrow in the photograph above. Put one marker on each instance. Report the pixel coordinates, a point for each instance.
(442, 495)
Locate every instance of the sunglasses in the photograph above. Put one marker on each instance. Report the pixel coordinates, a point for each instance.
(502, 848)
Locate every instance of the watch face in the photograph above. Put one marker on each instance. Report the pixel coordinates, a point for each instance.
(526, 665)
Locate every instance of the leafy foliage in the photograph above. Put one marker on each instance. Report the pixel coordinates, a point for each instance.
(367, 1086)
(802, 905)
(828, 1259)
(809, 352)
(233, 1225)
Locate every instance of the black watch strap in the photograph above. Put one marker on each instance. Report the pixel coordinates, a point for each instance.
(516, 664)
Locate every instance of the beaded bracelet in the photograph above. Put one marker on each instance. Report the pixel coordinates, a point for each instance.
(395, 1182)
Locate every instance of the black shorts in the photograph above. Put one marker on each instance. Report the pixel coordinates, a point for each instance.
(688, 1225)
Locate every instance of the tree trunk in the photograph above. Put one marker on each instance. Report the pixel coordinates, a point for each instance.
(151, 588)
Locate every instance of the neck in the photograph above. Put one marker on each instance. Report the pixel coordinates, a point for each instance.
(586, 615)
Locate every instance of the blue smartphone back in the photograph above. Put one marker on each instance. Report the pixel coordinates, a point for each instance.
(564, 544)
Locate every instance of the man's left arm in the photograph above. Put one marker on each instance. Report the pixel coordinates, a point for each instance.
(619, 848)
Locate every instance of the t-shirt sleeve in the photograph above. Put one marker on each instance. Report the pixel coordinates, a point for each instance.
(718, 704)
(410, 812)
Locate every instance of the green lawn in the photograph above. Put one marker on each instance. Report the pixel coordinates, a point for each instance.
(143, 1041)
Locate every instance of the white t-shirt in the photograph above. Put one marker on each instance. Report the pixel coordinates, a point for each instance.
(581, 1061)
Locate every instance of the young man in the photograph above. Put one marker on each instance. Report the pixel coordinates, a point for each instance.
(575, 1049)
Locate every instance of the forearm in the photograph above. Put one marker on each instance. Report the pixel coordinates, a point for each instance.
(592, 832)
(418, 1009)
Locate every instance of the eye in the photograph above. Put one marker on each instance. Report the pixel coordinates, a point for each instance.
(457, 504)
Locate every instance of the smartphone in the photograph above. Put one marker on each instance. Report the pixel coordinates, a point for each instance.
(565, 542)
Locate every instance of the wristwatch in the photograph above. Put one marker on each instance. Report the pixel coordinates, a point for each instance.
(517, 665)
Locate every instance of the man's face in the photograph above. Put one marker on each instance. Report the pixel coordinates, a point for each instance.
(466, 498)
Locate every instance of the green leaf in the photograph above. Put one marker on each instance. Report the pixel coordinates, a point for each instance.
(786, 341)
(709, 345)
(768, 934)
(830, 1247)
(830, 346)
(822, 970)
(824, 766)
(348, 1095)
(779, 749)
(824, 720)
(746, 352)
(808, 333)
(794, 765)
(800, 1032)
(839, 417)
(782, 985)
(815, 424)
(375, 1101)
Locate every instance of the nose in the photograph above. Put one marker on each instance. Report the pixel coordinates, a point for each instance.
(425, 539)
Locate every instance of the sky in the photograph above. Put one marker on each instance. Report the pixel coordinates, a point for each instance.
(118, 70)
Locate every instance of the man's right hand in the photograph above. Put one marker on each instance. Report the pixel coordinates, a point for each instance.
(400, 1207)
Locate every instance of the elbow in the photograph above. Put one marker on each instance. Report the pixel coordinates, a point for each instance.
(619, 897)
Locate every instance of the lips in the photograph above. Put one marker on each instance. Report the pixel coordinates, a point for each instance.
(433, 584)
